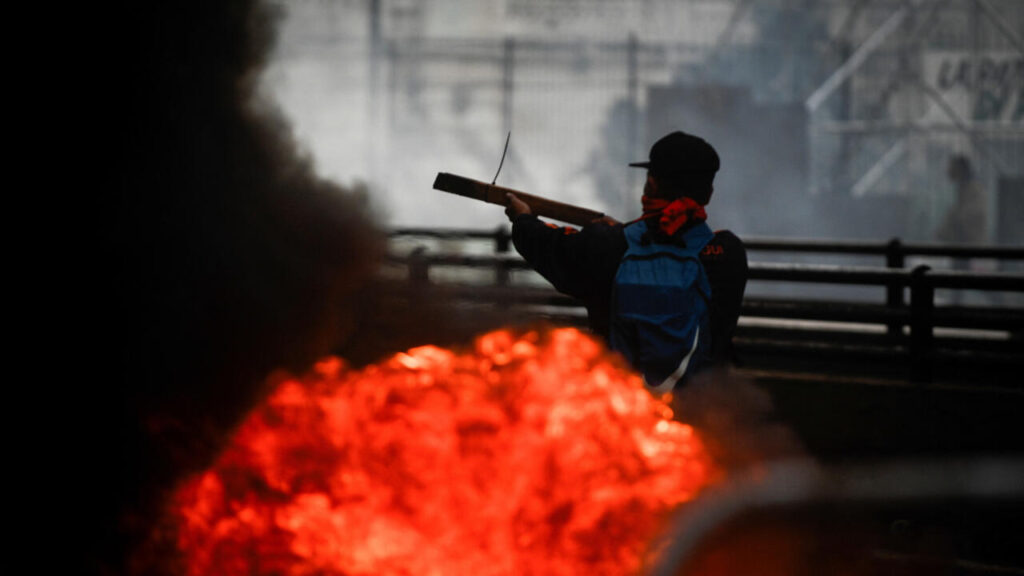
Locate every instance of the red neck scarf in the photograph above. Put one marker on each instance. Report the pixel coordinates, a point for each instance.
(672, 214)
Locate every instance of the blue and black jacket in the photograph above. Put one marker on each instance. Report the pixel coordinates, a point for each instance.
(582, 263)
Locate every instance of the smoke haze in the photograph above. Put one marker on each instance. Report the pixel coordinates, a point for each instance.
(232, 251)
(434, 86)
(229, 256)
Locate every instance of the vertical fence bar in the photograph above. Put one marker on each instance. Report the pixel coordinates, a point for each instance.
(922, 306)
(633, 91)
(373, 112)
(501, 240)
(419, 269)
(502, 275)
(894, 258)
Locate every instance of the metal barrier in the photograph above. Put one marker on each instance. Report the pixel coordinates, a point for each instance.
(911, 325)
(894, 250)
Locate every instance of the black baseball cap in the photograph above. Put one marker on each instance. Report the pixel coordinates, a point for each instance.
(680, 154)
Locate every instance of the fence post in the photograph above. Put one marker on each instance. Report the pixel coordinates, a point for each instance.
(922, 304)
(894, 258)
(633, 89)
(501, 240)
(419, 269)
(501, 275)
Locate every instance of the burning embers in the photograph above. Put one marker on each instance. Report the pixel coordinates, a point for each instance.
(537, 454)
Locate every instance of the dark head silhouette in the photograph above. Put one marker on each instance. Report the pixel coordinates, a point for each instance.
(683, 165)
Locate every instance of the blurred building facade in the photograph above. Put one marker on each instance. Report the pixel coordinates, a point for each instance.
(833, 118)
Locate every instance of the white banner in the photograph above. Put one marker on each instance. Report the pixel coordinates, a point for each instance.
(983, 87)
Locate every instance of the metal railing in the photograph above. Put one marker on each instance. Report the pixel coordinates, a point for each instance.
(894, 251)
(911, 325)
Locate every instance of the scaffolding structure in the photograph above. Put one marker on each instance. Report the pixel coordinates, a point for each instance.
(891, 89)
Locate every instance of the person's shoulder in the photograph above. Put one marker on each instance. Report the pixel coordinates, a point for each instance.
(726, 240)
(723, 245)
(727, 237)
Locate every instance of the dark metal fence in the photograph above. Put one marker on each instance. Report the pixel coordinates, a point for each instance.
(894, 251)
(910, 325)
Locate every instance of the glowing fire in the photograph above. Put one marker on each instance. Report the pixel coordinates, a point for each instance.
(537, 454)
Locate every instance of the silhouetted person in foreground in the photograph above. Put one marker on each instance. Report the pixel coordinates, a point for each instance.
(663, 290)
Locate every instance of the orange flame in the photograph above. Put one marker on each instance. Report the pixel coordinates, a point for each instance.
(537, 454)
